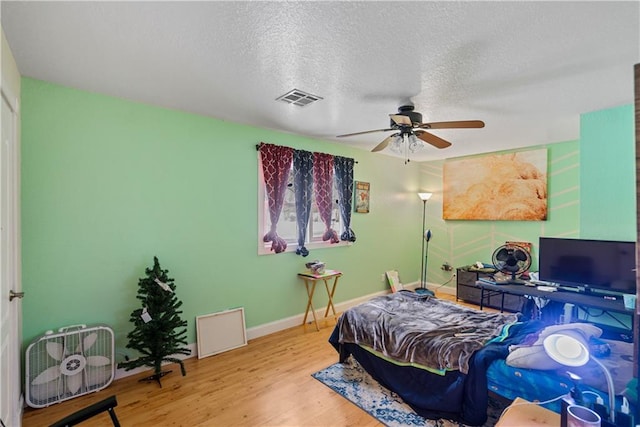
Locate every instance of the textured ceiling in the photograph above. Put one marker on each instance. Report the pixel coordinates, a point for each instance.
(527, 69)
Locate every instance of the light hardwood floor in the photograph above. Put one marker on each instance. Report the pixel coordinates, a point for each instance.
(266, 383)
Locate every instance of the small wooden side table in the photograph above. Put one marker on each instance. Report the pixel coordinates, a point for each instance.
(522, 413)
(310, 281)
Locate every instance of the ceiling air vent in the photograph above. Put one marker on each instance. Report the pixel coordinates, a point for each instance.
(299, 98)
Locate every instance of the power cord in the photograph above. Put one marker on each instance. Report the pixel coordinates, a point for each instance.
(445, 283)
(531, 403)
(599, 399)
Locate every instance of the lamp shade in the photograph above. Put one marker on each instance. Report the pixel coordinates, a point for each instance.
(425, 196)
(568, 348)
(414, 144)
(397, 144)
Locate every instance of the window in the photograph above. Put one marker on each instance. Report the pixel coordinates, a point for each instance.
(279, 200)
(288, 227)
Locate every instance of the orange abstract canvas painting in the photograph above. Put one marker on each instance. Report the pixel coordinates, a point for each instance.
(509, 187)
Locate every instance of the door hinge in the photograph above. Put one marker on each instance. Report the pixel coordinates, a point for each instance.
(13, 294)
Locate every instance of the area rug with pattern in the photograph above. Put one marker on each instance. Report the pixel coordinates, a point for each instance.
(352, 382)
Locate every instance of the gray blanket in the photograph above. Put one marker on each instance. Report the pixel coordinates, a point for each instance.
(422, 330)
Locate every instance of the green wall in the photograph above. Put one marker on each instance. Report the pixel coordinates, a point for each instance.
(464, 242)
(107, 184)
(591, 194)
(607, 163)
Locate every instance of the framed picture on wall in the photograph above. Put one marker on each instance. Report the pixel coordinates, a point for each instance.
(361, 204)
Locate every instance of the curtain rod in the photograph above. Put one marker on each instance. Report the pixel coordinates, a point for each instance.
(258, 149)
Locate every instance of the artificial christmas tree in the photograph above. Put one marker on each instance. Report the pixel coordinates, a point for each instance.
(159, 333)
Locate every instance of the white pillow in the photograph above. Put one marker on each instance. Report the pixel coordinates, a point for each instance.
(586, 329)
(531, 357)
(534, 356)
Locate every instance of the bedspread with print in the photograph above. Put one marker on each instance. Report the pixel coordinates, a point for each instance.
(419, 329)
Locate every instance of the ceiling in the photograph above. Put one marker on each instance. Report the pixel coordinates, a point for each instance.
(527, 69)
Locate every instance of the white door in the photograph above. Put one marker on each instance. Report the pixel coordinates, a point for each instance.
(10, 395)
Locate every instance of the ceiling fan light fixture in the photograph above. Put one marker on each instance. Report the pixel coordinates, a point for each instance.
(411, 137)
(414, 144)
(401, 144)
(397, 144)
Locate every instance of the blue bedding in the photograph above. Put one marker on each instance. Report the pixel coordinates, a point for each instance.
(538, 385)
(529, 384)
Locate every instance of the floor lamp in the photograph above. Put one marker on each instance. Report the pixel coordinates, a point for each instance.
(426, 236)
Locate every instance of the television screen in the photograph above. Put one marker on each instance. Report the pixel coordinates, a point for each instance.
(592, 264)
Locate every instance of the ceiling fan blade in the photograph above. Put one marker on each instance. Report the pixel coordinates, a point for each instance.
(400, 119)
(362, 133)
(384, 143)
(462, 124)
(430, 138)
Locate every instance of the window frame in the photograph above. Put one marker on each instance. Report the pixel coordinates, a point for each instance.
(264, 248)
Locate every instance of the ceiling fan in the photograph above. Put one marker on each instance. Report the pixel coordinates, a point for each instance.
(408, 122)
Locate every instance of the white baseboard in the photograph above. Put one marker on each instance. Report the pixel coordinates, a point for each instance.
(432, 287)
(291, 322)
(121, 373)
(262, 330)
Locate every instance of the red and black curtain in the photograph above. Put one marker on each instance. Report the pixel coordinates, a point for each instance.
(276, 166)
(313, 175)
(323, 180)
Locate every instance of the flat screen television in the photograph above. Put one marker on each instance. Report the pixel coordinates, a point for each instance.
(587, 265)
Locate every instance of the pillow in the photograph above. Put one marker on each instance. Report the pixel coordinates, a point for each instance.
(586, 329)
(531, 357)
(534, 356)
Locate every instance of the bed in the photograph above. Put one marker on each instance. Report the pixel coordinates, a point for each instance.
(442, 358)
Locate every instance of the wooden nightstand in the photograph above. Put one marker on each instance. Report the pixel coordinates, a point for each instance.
(522, 413)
